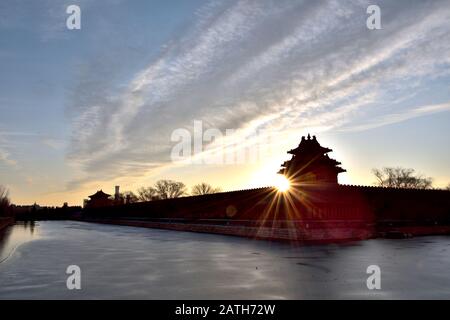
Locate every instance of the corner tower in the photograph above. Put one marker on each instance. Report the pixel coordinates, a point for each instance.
(310, 163)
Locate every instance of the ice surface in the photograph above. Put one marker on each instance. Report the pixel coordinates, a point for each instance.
(119, 262)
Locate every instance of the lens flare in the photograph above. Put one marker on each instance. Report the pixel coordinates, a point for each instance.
(281, 183)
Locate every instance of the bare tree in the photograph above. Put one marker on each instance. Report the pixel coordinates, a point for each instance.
(401, 178)
(4, 201)
(147, 194)
(168, 189)
(204, 188)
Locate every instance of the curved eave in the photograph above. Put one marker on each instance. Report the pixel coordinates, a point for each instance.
(300, 150)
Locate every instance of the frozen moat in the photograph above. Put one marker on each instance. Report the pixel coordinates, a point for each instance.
(119, 262)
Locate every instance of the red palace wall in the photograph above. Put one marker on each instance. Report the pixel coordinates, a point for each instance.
(317, 211)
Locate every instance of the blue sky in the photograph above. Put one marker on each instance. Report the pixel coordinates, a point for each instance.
(87, 109)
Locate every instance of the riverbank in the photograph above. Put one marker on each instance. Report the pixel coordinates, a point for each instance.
(331, 232)
(5, 222)
(307, 233)
(412, 231)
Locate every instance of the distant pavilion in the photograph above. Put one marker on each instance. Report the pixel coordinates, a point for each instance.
(99, 199)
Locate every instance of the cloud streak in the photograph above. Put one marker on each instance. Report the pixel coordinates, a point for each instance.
(400, 117)
(5, 156)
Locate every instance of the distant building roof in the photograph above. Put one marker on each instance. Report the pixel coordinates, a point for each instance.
(99, 195)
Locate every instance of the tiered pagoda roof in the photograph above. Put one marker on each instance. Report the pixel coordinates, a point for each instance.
(311, 158)
(100, 195)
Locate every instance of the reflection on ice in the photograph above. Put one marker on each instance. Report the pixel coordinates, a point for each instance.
(14, 236)
(127, 262)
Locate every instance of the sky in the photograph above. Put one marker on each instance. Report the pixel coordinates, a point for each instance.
(111, 103)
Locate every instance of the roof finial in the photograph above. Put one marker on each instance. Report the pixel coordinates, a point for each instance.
(309, 137)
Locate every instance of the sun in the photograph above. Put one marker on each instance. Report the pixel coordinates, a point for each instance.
(281, 183)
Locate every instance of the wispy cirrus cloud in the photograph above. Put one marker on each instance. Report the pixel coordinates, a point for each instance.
(290, 64)
(5, 156)
(399, 117)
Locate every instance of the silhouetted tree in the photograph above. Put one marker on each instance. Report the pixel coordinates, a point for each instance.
(168, 189)
(448, 187)
(204, 188)
(4, 201)
(147, 194)
(401, 178)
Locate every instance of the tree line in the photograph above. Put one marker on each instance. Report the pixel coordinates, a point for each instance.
(167, 189)
(398, 177)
